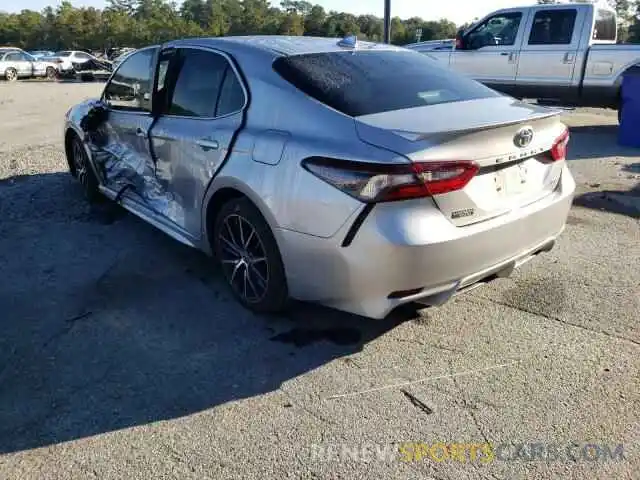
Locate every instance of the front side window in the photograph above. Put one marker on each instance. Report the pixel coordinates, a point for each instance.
(16, 57)
(499, 30)
(553, 27)
(130, 86)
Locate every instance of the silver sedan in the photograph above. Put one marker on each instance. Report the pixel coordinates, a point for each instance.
(16, 63)
(358, 175)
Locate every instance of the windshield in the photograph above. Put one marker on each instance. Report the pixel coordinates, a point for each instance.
(373, 81)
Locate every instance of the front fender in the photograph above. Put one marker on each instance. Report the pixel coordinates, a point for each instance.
(72, 120)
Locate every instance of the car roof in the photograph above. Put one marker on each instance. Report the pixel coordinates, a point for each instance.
(283, 45)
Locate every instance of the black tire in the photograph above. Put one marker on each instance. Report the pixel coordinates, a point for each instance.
(83, 171)
(254, 273)
(11, 74)
(51, 73)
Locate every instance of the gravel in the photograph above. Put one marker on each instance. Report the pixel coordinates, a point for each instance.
(123, 355)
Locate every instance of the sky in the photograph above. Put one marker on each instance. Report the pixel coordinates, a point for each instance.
(459, 11)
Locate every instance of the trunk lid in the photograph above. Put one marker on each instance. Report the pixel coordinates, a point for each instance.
(489, 132)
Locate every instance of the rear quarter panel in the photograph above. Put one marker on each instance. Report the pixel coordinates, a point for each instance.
(290, 197)
(607, 63)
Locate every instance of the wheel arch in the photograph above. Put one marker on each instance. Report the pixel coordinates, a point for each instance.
(631, 69)
(72, 131)
(69, 134)
(224, 190)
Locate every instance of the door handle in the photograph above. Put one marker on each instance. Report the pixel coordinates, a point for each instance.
(208, 144)
(504, 54)
(141, 133)
(569, 57)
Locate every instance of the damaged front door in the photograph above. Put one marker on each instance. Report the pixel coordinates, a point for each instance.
(124, 159)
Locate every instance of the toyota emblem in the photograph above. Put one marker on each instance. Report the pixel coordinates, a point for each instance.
(523, 137)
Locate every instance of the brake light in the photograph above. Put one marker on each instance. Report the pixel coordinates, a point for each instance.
(559, 148)
(375, 182)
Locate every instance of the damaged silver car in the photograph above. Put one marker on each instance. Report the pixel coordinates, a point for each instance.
(358, 175)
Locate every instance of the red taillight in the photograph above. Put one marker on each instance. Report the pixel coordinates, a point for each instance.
(559, 148)
(375, 182)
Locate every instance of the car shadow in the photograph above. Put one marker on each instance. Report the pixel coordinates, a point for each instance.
(108, 323)
(597, 141)
(614, 201)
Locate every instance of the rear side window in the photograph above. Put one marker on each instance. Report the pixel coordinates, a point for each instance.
(231, 94)
(605, 27)
(200, 75)
(368, 82)
(553, 27)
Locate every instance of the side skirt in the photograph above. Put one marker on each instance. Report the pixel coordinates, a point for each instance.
(150, 216)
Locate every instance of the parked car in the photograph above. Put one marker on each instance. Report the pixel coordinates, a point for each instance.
(16, 63)
(118, 60)
(564, 52)
(358, 175)
(66, 59)
(115, 52)
(41, 53)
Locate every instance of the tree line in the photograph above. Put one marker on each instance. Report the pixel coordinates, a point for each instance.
(135, 23)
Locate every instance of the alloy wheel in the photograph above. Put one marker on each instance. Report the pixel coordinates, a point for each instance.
(11, 75)
(80, 163)
(243, 258)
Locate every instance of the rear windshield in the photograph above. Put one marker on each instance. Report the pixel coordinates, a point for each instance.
(374, 81)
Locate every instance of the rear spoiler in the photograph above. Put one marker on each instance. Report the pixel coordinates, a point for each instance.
(417, 136)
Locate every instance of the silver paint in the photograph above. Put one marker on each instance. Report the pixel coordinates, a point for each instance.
(400, 245)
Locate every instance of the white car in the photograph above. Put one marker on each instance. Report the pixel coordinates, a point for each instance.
(16, 63)
(66, 58)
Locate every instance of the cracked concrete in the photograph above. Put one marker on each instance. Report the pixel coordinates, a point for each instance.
(123, 355)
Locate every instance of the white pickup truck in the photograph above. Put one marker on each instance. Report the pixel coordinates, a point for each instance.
(564, 52)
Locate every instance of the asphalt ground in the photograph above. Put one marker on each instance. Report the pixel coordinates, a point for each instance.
(122, 355)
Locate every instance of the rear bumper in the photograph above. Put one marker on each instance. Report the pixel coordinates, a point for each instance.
(408, 251)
